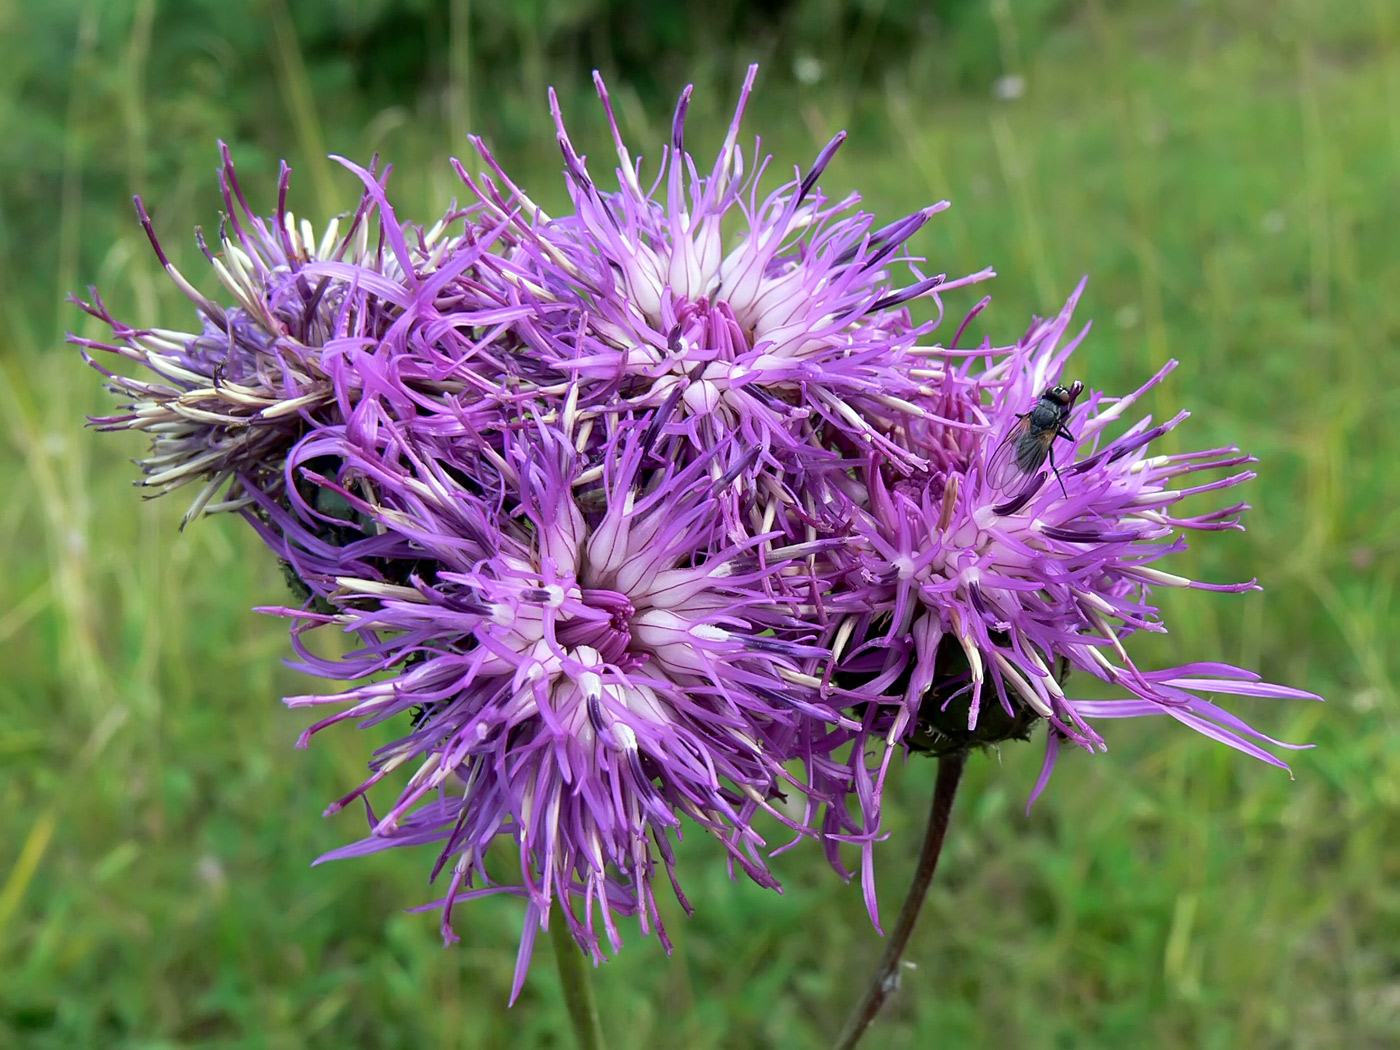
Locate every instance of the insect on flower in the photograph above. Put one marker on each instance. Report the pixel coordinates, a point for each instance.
(1032, 438)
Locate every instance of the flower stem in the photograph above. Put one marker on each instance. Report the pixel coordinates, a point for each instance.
(576, 982)
(885, 979)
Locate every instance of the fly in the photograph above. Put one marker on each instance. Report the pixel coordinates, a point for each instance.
(1031, 440)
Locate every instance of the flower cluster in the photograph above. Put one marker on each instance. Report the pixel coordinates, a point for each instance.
(665, 513)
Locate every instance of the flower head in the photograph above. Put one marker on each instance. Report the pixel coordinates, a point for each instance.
(592, 659)
(990, 598)
(288, 354)
(790, 335)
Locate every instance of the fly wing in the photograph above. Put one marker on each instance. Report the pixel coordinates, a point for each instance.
(1004, 468)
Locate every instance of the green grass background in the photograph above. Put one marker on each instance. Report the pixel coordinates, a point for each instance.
(1228, 173)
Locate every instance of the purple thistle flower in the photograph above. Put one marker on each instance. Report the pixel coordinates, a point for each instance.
(790, 335)
(227, 402)
(593, 660)
(987, 600)
(638, 516)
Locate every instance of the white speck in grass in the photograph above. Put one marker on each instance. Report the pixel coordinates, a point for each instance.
(807, 70)
(75, 541)
(1128, 316)
(1009, 88)
(1273, 223)
(210, 871)
(1366, 699)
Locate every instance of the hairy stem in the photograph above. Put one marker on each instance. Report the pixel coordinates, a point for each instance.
(885, 979)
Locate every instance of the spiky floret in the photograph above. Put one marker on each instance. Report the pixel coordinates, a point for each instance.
(594, 661)
(1026, 587)
(789, 335)
(285, 355)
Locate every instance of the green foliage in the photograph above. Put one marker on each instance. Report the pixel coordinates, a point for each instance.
(1226, 174)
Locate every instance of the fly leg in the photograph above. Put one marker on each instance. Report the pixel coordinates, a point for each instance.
(1060, 432)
